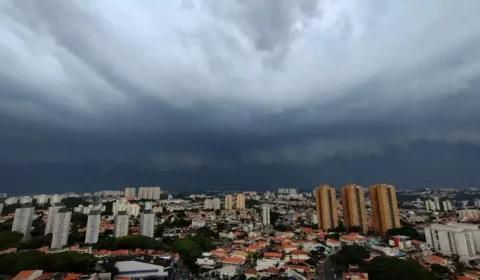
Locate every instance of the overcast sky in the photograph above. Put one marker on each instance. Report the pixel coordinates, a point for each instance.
(238, 94)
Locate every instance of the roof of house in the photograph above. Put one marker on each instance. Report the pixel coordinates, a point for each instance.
(232, 260)
(475, 273)
(299, 252)
(72, 276)
(251, 271)
(355, 275)
(24, 274)
(436, 259)
(46, 275)
(272, 255)
(273, 270)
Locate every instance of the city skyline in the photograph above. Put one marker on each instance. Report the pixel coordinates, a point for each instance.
(218, 97)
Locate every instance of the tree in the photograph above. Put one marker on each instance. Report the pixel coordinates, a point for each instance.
(391, 268)
(10, 239)
(340, 228)
(218, 212)
(181, 214)
(350, 254)
(159, 231)
(440, 271)
(36, 242)
(355, 229)
(407, 231)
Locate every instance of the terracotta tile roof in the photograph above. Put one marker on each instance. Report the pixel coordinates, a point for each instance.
(251, 271)
(436, 259)
(355, 276)
(72, 276)
(463, 278)
(24, 274)
(298, 252)
(120, 252)
(47, 275)
(475, 273)
(232, 260)
(289, 246)
(272, 255)
(273, 270)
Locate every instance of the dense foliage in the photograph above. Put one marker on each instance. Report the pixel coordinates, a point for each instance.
(61, 262)
(390, 268)
(407, 231)
(130, 242)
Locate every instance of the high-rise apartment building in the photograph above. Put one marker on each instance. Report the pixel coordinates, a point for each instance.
(207, 204)
(22, 221)
(385, 212)
(61, 228)
(354, 211)
(133, 209)
(1, 208)
(266, 214)
(93, 227)
(130, 192)
(228, 202)
(55, 199)
(149, 193)
(327, 210)
(240, 201)
(52, 210)
(147, 223)
(458, 239)
(121, 224)
(216, 203)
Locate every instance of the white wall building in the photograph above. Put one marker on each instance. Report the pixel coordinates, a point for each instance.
(22, 221)
(216, 203)
(133, 209)
(56, 198)
(130, 192)
(266, 214)
(26, 199)
(207, 204)
(61, 228)
(119, 205)
(455, 239)
(140, 270)
(469, 214)
(147, 223)
(11, 200)
(122, 221)
(52, 210)
(42, 199)
(149, 193)
(93, 227)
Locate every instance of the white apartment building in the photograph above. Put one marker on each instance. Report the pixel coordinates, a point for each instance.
(228, 202)
(1, 208)
(26, 199)
(455, 239)
(11, 200)
(149, 193)
(61, 228)
(477, 202)
(93, 227)
(469, 214)
(42, 199)
(148, 205)
(133, 209)
(130, 192)
(22, 221)
(56, 198)
(52, 210)
(122, 222)
(216, 203)
(119, 205)
(266, 214)
(147, 223)
(207, 204)
(286, 191)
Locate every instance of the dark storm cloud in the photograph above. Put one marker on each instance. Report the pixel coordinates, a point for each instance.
(190, 84)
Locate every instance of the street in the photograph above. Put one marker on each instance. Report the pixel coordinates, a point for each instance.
(327, 270)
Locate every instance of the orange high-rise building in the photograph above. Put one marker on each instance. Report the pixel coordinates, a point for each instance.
(326, 207)
(385, 212)
(354, 211)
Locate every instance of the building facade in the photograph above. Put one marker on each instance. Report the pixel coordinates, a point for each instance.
(149, 193)
(130, 192)
(22, 221)
(228, 202)
(452, 239)
(241, 201)
(122, 221)
(147, 223)
(383, 199)
(354, 210)
(93, 227)
(52, 210)
(61, 228)
(266, 214)
(327, 209)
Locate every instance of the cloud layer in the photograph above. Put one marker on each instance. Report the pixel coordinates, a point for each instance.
(190, 84)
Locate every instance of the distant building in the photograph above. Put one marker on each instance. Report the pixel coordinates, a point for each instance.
(130, 192)
(228, 202)
(266, 214)
(241, 201)
(326, 203)
(147, 223)
(354, 211)
(22, 221)
(383, 199)
(152, 193)
(42, 199)
(93, 227)
(477, 202)
(207, 204)
(52, 210)
(55, 199)
(470, 214)
(1, 208)
(216, 203)
(122, 221)
(458, 239)
(61, 228)
(133, 209)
